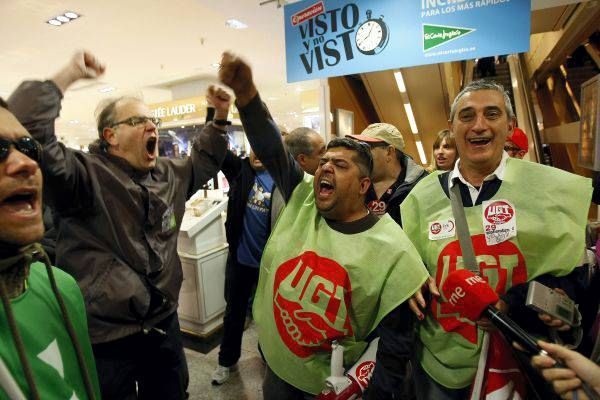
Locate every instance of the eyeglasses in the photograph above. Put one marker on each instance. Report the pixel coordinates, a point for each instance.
(26, 145)
(139, 121)
(509, 149)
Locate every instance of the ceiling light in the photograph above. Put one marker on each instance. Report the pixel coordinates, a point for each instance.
(421, 152)
(106, 89)
(62, 19)
(73, 121)
(235, 24)
(411, 118)
(400, 81)
(215, 65)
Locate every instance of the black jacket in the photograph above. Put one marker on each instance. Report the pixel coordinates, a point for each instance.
(118, 226)
(411, 175)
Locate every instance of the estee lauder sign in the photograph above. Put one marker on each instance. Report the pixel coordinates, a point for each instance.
(178, 110)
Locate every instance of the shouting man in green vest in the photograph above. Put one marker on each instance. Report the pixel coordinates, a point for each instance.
(331, 270)
(518, 228)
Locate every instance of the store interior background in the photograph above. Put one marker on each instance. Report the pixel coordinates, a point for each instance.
(167, 53)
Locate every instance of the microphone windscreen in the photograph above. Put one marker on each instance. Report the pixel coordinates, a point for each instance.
(468, 293)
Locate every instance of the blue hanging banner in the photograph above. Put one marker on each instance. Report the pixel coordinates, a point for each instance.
(338, 37)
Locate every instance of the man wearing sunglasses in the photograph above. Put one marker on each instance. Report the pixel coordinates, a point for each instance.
(394, 173)
(39, 358)
(120, 208)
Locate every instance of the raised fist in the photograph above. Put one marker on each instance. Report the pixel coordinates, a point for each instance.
(86, 66)
(83, 65)
(236, 73)
(220, 100)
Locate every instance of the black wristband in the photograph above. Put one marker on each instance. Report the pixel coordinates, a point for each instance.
(221, 122)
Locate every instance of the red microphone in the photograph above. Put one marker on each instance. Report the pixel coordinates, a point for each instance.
(472, 298)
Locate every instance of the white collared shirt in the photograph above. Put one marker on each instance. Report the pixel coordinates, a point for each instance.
(473, 191)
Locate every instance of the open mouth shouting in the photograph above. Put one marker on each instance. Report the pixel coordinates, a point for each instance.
(151, 146)
(20, 204)
(326, 188)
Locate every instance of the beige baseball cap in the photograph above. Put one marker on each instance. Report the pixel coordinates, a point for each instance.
(381, 132)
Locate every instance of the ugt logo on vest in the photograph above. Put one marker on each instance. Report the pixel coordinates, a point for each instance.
(501, 265)
(311, 298)
(499, 212)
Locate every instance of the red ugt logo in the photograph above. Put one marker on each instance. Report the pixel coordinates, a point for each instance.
(311, 299)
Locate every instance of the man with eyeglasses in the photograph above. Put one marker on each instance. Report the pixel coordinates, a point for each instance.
(394, 173)
(517, 144)
(120, 208)
(45, 350)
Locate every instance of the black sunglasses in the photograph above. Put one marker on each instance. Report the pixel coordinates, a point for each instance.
(26, 145)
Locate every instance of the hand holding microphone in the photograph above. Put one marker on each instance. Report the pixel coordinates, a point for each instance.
(473, 298)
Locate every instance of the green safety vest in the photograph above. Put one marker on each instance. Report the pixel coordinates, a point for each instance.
(317, 285)
(47, 343)
(550, 207)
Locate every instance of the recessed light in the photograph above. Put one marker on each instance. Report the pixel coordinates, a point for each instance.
(215, 65)
(106, 89)
(235, 24)
(62, 19)
(73, 121)
(422, 155)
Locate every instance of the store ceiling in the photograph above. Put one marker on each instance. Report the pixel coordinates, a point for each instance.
(145, 44)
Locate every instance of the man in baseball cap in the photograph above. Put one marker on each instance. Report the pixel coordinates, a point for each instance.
(517, 144)
(394, 173)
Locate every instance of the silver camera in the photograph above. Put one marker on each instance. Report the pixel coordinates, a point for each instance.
(543, 299)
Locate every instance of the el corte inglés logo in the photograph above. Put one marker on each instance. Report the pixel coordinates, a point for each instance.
(437, 35)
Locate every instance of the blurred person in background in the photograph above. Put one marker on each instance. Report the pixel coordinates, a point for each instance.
(306, 146)
(517, 144)
(444, 152)
(394, 172)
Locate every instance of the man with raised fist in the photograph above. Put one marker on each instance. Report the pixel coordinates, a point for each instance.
(120, 207)
(331, 270)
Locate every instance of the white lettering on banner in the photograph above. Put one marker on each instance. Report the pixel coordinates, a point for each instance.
(425, 4)
(430, 8)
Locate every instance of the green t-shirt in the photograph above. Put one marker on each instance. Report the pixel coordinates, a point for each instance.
(317, 285)
(47, 343)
